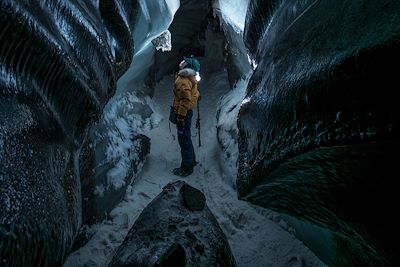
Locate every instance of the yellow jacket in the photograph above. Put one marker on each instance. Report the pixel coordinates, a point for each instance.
(186, 92)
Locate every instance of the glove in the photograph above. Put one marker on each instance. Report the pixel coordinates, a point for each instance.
(180, 121)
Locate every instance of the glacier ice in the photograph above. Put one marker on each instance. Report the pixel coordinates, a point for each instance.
(233, 11)
(154, 18)
(117, 123)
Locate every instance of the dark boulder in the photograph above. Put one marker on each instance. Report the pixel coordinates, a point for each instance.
(175, 229)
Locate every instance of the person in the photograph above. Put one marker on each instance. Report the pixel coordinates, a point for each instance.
(186, 95)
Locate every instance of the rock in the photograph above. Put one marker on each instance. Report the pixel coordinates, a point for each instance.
(171, 232)
(193, 199)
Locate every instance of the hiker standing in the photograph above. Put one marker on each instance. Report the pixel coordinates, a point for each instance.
(186, 95)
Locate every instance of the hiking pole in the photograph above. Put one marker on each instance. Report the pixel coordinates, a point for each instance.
(198, 122)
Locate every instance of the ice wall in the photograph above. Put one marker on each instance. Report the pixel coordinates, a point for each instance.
(154, 18)
(232, 15)
(129, 111)
(317, 139)
(234, 12)
(59, 63)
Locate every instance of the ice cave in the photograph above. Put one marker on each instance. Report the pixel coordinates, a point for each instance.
(295, 133)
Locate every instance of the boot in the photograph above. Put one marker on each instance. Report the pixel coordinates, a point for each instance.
(182, 172)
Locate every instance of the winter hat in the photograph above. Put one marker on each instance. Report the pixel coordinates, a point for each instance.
(192, 63)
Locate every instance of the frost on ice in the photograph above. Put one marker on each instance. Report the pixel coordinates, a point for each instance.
(163, 41)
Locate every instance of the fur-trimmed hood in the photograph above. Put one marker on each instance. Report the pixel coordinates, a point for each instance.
(186, 72)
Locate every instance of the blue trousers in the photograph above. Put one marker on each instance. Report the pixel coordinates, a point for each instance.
(185, 142)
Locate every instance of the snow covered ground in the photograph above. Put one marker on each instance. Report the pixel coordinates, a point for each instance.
(258, 237)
